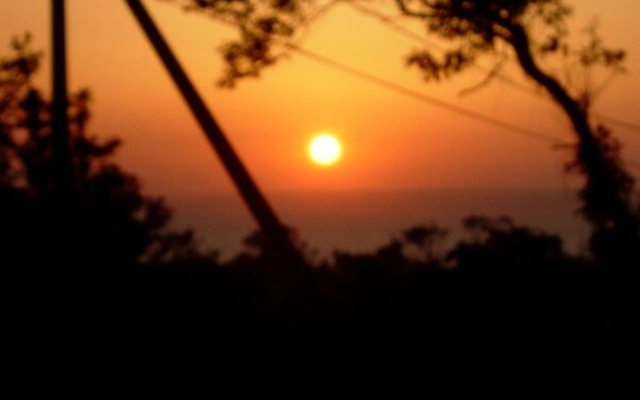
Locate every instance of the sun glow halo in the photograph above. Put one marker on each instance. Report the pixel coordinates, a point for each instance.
(325, 149)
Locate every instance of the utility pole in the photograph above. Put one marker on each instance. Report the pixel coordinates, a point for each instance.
(60, 104)
(269, 223)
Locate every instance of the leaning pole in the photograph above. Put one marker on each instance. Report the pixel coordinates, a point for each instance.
(273, 229)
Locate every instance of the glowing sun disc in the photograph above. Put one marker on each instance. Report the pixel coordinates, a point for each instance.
(325, 149)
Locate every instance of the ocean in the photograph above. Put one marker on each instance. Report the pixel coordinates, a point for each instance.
(361, 221)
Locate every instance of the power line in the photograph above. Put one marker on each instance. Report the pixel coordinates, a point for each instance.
(412, 93)
(626, 124)
(426, 98)
(530, 133)
(517, 129)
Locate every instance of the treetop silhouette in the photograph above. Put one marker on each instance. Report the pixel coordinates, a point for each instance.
(104, 218)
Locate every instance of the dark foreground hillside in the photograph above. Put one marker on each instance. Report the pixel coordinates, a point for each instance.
(512, 287)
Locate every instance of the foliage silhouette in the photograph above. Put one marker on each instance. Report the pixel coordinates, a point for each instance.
(104, 219)
(501, 244)
(478, 28)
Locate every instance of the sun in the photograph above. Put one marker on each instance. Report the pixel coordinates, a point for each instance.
(325, 149)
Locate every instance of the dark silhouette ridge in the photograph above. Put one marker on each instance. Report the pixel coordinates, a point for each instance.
(507, 286)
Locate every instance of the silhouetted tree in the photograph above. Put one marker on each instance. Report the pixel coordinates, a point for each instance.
(476, 28)
(423, 243)
(103, 220)
(501, 244)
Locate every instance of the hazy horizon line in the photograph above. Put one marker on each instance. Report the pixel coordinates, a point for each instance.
(279, 192)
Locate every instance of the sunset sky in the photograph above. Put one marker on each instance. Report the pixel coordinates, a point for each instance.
(390, 141)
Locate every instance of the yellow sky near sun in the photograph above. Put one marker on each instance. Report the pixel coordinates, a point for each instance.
(390, 141)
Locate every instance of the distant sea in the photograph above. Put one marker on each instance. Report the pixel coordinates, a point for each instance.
(362, 221)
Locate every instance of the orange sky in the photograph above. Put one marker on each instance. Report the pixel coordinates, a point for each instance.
(390, 141)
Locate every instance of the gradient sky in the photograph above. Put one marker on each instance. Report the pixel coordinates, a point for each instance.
(390, 141)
